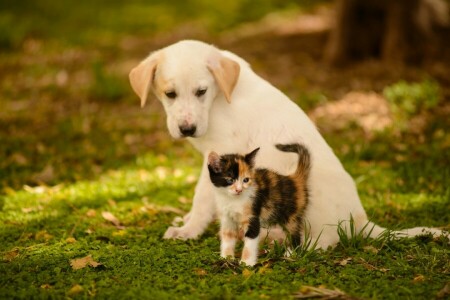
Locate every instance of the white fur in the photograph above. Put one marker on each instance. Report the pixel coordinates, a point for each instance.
(251, 246)
(258, 115)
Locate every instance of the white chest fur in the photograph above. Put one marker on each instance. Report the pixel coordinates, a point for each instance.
(232, 206)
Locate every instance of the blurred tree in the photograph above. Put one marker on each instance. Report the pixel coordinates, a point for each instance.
(399, 30)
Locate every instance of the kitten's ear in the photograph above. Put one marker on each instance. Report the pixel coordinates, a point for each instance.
(250, 158)
(214, 162)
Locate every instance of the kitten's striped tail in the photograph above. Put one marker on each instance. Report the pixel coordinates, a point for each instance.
(304, 158)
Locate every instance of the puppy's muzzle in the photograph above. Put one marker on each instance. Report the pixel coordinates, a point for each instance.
(187, 130)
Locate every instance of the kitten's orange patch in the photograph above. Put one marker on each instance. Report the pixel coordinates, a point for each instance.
(244, 169)
(228, 234)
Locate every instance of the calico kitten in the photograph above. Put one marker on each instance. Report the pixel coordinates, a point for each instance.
(248, 198)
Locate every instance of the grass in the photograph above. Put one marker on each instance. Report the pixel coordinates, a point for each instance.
(85, 172)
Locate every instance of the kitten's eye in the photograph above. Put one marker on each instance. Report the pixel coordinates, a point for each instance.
(246, 180)
(200, 92)
(229, 180)
(171, 94)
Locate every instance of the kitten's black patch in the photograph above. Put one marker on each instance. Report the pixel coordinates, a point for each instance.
(253, 227)
(228, 169)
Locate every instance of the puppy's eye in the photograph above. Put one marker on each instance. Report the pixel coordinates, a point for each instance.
(200, 92)
(171, 94)
(246, 180)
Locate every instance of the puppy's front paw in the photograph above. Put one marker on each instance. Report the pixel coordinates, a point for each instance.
(181, 233)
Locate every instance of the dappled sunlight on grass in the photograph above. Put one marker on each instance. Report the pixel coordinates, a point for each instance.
(150, 187)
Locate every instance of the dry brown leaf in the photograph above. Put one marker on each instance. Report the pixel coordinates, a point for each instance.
(321, 292)
(111, 218)
(91, 213)
(43, 235)
(46, 286)
(80, 263)
(370, 249)
(419, 278)
(344, 262)
(200, 272)
(10, 255)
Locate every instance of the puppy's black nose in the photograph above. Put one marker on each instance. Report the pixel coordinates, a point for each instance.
(188, 130)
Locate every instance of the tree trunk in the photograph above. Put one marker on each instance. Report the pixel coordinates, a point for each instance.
(397, 31)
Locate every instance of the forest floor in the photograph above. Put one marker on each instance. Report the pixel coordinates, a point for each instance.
(89, 181)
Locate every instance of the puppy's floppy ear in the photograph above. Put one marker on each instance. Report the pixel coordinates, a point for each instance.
(250, 158)
(142, 76)
(226, 73)
(214, 162)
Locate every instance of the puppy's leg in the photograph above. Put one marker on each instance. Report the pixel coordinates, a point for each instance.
(202, 212)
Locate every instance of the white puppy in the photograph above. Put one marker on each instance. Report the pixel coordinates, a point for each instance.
(213, 98)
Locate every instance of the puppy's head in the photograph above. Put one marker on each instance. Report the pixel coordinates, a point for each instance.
(186, 77)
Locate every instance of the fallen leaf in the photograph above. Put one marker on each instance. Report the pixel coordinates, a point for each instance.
(112, 203)
(27, 210)
(43, 235)
(46, 286)
(110, 217)
(344, 261)
(70, 240)
(10, 255)
(91, 213)
(76, 289)
(80, 263)
(247, 273)
(265, 269)
(370, 249)
(321, 292)
(200, 272)
(419, 278)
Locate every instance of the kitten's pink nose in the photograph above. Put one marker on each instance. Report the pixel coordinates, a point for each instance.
(238, 192)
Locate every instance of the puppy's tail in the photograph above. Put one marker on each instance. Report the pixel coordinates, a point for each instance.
(372, 230)
(304, 158)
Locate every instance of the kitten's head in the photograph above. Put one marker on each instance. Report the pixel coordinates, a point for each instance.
(232, 172)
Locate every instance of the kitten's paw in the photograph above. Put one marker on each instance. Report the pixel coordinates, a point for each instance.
(249, 262)
(227, 256)
(181, 233)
